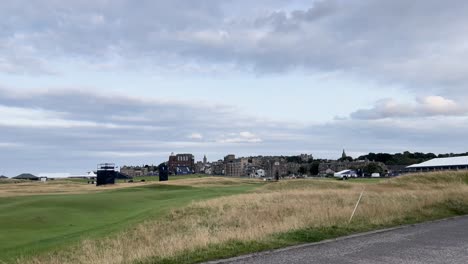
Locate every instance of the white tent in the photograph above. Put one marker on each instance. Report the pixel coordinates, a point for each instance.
(452, 163)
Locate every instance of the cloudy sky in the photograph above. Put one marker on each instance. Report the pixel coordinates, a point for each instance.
(84, 82)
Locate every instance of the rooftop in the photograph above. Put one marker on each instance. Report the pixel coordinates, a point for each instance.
(443, 162)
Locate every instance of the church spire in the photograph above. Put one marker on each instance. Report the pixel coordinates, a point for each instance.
(343, 156)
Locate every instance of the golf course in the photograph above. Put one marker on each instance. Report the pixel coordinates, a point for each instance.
(195, 219)
(33, 224)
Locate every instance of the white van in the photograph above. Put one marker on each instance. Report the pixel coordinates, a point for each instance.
(345, 174)
(260, 173)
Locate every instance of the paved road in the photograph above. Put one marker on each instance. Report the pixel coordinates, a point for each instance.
(437, 242)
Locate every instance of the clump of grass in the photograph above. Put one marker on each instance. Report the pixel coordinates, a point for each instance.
(276, 215)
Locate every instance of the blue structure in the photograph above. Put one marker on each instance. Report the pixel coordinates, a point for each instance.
(183, 170)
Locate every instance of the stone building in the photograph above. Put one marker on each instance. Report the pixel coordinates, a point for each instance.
(217, 167)
(199, 167)
(293, 168)
(181, 162)
(245, 167)
(275, 167)
(202, 166)
(134, 171)
(235, 167)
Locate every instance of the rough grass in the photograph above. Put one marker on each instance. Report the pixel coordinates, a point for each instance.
(276, 215)
(10, 181)
(211, 181)
(13, 188)
(28, 188)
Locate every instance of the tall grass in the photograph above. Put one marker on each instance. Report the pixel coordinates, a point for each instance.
(274, 209)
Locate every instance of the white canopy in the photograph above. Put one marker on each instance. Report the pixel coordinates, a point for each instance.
(442, 162)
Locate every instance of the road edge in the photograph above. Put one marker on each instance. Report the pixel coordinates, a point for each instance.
(301, 246)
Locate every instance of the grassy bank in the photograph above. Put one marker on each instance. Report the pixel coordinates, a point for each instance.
(275, 215)
(31, 225)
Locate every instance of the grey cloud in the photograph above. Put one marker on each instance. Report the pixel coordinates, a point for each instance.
(320, 9)
(288, 21)
(416, 44)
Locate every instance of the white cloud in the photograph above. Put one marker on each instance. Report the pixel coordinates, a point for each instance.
(438, 105)
(196, 136)
(24, 117)
(423, 107)
(28, 117)
(242, 137)
(124, 154)
(10, 145)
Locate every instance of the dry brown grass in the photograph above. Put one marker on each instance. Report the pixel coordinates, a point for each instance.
(210, 182)
(56, 187)
(274, 208)
(11, 188)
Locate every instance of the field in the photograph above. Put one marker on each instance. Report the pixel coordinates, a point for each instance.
(33, 221)
(197, 219)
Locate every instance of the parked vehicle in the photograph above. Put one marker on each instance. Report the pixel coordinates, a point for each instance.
(375, 175)
(345, 174)
(260, 173)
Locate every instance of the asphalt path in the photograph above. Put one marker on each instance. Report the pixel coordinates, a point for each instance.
(443, 241)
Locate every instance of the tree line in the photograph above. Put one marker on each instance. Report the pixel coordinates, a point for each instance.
(406, 158)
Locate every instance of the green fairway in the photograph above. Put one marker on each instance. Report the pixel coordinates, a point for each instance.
(34, 224)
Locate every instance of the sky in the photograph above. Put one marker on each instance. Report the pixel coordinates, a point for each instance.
(84, 82)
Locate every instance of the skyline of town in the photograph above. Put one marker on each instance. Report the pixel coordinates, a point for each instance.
(306, 158)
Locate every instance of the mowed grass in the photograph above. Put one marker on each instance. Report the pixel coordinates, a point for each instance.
(31, 225)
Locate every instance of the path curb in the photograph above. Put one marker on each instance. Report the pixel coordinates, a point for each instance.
(301, 246)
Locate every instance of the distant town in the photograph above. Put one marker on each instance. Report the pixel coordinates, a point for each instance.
(382, 164)
(276, 167)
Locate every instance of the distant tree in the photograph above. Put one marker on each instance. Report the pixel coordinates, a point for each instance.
(405, 158)
(294, 159)
(314, 168)
(373, 168)
(452, 155)
(347, 158)
(302, 170)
